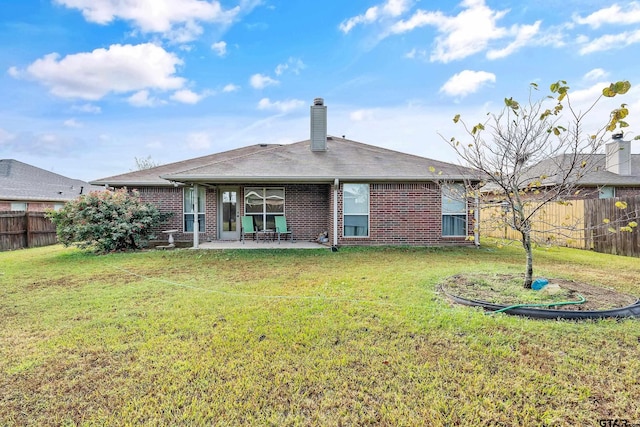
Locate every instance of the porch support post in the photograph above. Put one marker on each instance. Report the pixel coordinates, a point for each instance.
(196, 219)
(476, 220)
(336, 186)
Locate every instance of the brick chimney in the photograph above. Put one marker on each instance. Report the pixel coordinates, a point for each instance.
(618, 155)
(318, 125)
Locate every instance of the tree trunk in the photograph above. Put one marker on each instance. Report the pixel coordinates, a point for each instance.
(526, 244)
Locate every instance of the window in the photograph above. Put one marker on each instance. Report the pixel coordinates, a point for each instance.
(188, 209)
(58, 206)
(607, 192)
(356, 210)
(18, 206)
(264, 204)
(454, 210)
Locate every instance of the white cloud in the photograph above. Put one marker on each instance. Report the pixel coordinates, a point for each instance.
(362, 115)
(294, 65)
(72, 123)
(87, 108)
(13, 72)
(230, 88)
(220, 48)
(119, 69)
(388, 9)
(595, 74)
(467, 82)
(281, 106)
(610, 42)
(523, 36)
(142, 99)
(187, 96)
(416, 53)
(613, 14)
(469, 32)
(175, 19)
(199, 141)
(5, 137)
(260, 81)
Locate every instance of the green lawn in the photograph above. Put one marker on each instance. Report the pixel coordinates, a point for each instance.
(357, 337)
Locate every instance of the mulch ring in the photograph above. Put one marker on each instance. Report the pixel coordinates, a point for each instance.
(597, 297)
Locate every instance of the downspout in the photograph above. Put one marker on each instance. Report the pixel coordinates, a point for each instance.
(196, 218)
(476, 220)
(336, 185)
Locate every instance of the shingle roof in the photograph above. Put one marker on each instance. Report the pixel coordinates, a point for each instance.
(596, 175)
(22, 182)
(343, 159)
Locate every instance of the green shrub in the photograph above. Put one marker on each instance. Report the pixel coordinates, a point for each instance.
(107, 221)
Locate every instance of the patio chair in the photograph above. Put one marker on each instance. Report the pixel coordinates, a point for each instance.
(281, 228)
(247, 227)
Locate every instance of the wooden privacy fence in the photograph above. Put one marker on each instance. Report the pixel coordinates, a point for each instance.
(583, 224)
(555, 223)
(19, 229)
(603, 222)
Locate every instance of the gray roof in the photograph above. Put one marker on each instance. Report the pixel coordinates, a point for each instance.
(344, 159)
(596, 172)
(22, 182)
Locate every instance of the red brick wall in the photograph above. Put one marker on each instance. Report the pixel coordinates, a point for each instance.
(403, 214)
(400, 214)
(627, 191)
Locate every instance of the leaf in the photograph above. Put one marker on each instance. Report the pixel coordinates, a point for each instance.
(606, 221)
(611, 230)
(633, 224)
(456, 118)
(432, 169)
(621, 205)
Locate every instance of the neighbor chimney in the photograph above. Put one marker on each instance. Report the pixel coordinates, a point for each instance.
(618, 155)
(318, 125)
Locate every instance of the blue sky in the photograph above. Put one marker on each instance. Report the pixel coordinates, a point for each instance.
(89, 85)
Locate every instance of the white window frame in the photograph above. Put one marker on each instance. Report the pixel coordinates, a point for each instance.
(187, 209)
(451, 206)
(19, 206)
(346, 214)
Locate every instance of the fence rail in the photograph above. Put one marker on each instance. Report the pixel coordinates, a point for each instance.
(583, 224)
(19, 229)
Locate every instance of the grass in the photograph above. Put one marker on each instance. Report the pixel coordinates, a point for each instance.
(358, 337)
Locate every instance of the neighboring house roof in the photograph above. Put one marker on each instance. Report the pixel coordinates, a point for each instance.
(596, 173)
(22, 182)
(343, 159)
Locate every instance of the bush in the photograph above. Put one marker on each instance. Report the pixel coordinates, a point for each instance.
(107, 221)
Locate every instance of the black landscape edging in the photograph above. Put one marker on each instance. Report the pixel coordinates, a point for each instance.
(632, 310)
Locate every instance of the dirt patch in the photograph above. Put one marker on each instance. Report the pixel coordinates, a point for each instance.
(508, 290)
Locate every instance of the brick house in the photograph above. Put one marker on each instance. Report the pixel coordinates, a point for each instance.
(27, 188)
(357, 194)
(615, 173)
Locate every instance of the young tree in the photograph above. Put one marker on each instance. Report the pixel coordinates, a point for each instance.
(531, 155)
(107, 221)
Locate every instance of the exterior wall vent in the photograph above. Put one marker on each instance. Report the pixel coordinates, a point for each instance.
(318, 125)
(618, 155)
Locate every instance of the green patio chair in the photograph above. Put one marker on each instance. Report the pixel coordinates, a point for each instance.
(247, 227)
(281, 228)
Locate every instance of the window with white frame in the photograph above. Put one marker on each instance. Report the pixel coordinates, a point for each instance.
(606, 192)
(356, 210)
(454, 210)
(264, 204)
(18, 206)
(188, 209)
